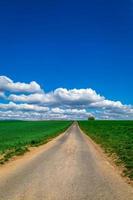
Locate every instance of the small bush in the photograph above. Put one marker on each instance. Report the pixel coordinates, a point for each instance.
(91, 118)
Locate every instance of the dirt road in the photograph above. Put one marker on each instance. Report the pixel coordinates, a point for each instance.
(70, 168)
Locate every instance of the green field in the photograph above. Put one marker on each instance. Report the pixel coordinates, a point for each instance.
(116, 137)
(17, 136)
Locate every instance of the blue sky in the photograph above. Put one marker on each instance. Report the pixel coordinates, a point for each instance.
(69, 44)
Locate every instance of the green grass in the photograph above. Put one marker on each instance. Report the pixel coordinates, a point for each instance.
(17, 136)
(116, 137)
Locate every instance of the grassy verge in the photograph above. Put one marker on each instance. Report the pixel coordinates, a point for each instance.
(17, 136)
(116, 137)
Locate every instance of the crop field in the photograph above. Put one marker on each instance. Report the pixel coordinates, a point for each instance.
(116, 137)
(17, 136)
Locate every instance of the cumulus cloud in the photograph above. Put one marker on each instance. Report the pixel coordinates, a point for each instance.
(61, 96)
(33, 98)
(58, 104)
(2, 95)
(6, 84)
(23, 107)
(70, 111)
(75, 98)
(34, 112)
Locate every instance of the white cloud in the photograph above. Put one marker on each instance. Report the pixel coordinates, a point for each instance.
(70, 111)
(2, 95)
(6, 84)
(11, 111)
(58, 104)
(61, 96)
(23, 107)
(107, 104)
(33, 98)
(75, 98)
(80, 96)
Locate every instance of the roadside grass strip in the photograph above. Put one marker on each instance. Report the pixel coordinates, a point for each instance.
(17, 136)
(116, 137)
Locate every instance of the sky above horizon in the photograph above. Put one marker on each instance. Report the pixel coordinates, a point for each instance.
(66, 59)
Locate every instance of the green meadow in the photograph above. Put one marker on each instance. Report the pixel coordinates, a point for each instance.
(17, 136)
(116, 137)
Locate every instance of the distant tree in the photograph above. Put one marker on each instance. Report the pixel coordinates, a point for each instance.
(91, 118)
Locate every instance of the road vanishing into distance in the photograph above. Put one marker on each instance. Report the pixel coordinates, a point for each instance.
(68, 168)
